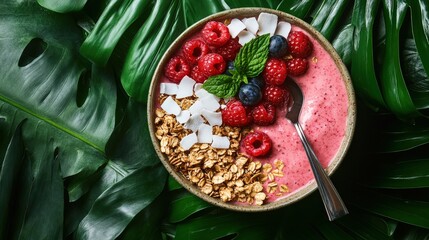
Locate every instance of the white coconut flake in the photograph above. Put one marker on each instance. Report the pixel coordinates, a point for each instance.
(210, 102)
(252, 25)
(196, 108)
(267, 23)
(197, 87)
(168, 88)
(202, 93)
(187, 142)
(245, 37)
(222, 106)
(283, 29)
(235, 27)
(186, 87)
(214, 118)
(183, 116)
(170, 106)
(220, 142)
(205, 133)
(194, 122)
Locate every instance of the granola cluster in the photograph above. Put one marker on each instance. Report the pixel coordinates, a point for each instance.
(221, 173)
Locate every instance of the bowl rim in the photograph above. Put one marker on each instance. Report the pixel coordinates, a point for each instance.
(241, 13)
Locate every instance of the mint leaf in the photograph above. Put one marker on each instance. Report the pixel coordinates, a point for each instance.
(223, 86)
(250, 60)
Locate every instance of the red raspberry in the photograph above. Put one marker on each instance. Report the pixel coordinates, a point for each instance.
(275, 95)
(264, 114)
(297, 66)
(235, 114)
(275, 71)
(216, 33)
(176, 69)
(257, 144)
(229, 50)
(211, 64)
(299, 44)
(197, 75)
(194, 50)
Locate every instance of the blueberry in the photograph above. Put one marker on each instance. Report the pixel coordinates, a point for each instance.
(278, 46)
(249, 94)
(257, 81)
(229, 67)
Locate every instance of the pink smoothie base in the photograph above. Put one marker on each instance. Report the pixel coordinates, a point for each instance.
(323, 118)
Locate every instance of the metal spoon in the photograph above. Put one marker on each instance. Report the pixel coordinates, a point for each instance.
(334, 205)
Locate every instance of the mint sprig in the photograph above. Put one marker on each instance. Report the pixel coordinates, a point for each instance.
(249, 62)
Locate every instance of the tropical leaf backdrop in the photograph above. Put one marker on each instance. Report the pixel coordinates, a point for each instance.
(75, 153)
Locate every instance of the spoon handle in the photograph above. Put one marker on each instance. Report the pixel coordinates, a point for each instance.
(334, 205)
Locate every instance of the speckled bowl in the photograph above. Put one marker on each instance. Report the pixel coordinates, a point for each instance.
(242, 13)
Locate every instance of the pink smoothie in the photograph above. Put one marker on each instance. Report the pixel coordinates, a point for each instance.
(323, 118)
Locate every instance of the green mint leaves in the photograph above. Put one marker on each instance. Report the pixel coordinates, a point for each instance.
(249, 62)
(251, 58)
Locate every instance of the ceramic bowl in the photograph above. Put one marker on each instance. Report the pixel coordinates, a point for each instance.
(244, 13)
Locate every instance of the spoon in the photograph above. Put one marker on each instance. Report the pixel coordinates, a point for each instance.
(334, 205)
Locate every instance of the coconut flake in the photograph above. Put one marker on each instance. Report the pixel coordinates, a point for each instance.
(183, 116)
(210, 102)
(186, 87)
(168, 88)
(220, 142)
(267, 23)
(197, 87)
(196, 108)
(235, 27)
(170, 106)
(194, 122)
(283, 29)
(252, 25)
(202, 93)
(245, 37)
(214, 118)
(188, 141)
(205, 133)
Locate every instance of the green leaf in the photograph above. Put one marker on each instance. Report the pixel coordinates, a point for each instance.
(118, 205)
(328, 17)
(149, 45)
(298, 8)
(43, 80)
(361, 228)
(402, 174)
(223, 86)
(184, 205)
(250, 60)
(63, 6)
(343, 43)
(420, 26)
(394, 89)
(113, 22)
(173, 184)
(399, 209)
(413, 68)
(9, 174)
(362, 68)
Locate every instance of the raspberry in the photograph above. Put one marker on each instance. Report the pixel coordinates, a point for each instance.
(297, 66)
(235, 114)
(264, 114)
(211, 64)
(197, 75)
(257, 144)
(194, 50)
(275, 95)
(275, 71)
(176, 69)
(299, 44)
(229, 50)
(216, 33)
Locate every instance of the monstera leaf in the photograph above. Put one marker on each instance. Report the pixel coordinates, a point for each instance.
(75, 152)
